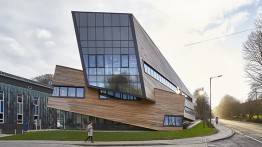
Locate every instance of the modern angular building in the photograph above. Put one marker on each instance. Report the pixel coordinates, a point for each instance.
(126, 83)
(22, 103)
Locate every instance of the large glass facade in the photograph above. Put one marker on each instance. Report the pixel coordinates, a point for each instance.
(108, 51)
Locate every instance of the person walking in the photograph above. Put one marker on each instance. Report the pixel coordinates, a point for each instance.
(90, 132)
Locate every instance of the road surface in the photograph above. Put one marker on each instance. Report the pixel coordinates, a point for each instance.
(246, 135)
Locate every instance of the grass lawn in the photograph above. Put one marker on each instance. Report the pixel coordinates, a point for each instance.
(64, 135)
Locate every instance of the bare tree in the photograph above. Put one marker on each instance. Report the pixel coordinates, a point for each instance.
(201, 107)
(45, 79)
(252, 50)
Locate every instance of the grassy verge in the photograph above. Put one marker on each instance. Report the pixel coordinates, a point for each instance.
(62, 135)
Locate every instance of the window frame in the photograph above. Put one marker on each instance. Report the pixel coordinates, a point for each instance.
(2, 101)
(173, 119)
(68, 87)
(19, 108)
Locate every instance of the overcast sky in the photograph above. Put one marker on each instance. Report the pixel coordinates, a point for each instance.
(36, 35)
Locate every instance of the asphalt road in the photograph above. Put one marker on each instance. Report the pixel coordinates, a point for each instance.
(246, 135)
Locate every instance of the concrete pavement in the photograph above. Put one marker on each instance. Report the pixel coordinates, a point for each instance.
(223, 133)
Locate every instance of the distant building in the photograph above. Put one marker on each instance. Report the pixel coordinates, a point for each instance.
(22, 103)
(126, 82)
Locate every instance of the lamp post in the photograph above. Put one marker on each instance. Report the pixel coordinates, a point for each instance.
(210, 93)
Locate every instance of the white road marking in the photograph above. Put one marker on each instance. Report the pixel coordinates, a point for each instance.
(249, 137)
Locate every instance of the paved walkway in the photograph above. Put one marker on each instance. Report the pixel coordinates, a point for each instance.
(223, 133)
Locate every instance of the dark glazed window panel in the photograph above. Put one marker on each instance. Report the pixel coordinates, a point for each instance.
(91, 44)
(124, 50)
(108, 33)
(83, 43)
(103, 94)
(134, 79)
(99, 43)
(71, 91)
(116, 43)
(79, 92)
(84, 50)
(108, 51)
(100, 71)
(107, 20)
(108, 43)
(92, 84)
(116, 33)
(100, 50)
(63, 91)
(85, 60)
(100, 84)
(108, 71)
(108, 61)
(92, 71)
(133, 71)
(91, 78)
(130, 36)
(77, 19)
(124, 20)
(100, 78)
(116, 60)
(100, 61)
(124, 43)
(83, 19)
(116, 50)
(132, 61)
(125, 71)
(124, 33)
(91, 33)
(116, 71)
(91, 19)
(115, 20)
(99, 33)
(139, 89)
(131, 44)
(92, 51)
(55, 91)
(132, 51)
(99, 19)
(179, 121)
(92, 61)
(124, 60)
(83, 33)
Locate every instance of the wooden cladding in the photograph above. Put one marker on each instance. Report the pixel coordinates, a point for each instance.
(141, 113)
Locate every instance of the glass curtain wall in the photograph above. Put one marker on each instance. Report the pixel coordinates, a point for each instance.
(108, 51)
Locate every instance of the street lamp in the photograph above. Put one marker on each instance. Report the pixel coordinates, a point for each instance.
(210, 93)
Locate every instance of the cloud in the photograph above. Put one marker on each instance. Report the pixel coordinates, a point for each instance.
(11, 46)
(43, 33)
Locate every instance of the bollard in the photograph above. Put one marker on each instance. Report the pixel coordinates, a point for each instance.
(15, 131)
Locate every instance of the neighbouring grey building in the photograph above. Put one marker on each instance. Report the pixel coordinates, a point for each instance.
(23, 103)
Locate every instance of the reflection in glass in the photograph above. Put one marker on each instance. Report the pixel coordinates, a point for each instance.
(124, 60)
(100, 60)
(79, 92)
(63, 91)
(92, 61)
(71, 92)
(108, 53)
